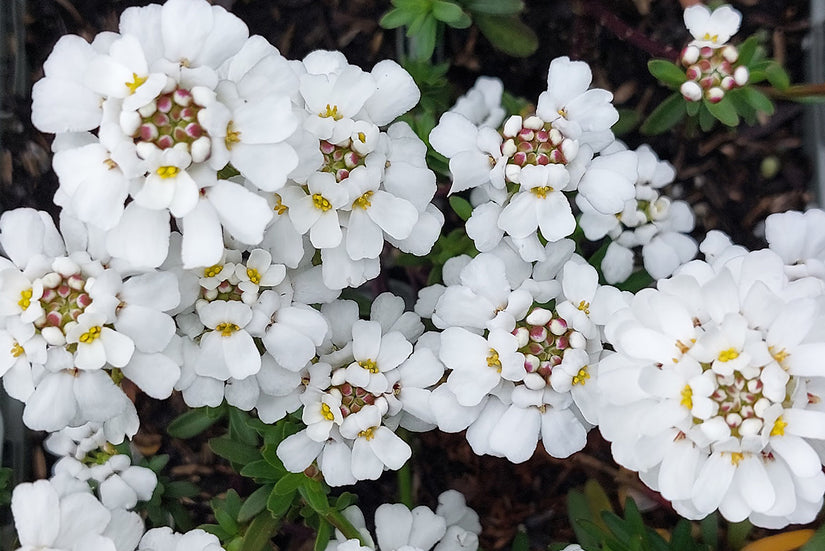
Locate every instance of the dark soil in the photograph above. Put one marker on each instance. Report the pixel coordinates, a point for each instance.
(733, 179)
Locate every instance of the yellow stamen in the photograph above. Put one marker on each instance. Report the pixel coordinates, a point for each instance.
(779, 427)
(25, 299)
(562, 112)
(326, 412)
(232, 136)
(778, 356)
(584, 306)
(136, 83)
(369, 365)
(279, 207)
(728, 355)
(91, 335)
(363, 201)
(687, 397)
(331, 112)
(168, 171)
(362, 137)
(212, 271)
(581, 377)
(684, 347)
(493, 360)
(17, 350)
(110, 164)
(541, 192)
(321, 203)
(253, 275)
(226, 328)
(736, 458)
(368, 434)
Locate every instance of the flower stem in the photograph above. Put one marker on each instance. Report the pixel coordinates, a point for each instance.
(338, 520)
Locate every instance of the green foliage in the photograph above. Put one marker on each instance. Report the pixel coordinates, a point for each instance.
(508, 34)
(164, 508)
(817, 542)
(669, 73)
(6, 475)
(665, 116)
(195, 421)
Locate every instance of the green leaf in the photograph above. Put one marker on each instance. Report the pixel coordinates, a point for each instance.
(747, 49)
(191, 423)
(521, 542)
(262, 469)
(423, 33)
(706, 119)
(637, 281)
(325, 533)
(664, 117)
(179, 489)
(633, 518)
(239, 429)
(279, 504)
(226, 521)
(451, 14)
(681, 539)
(259, 533)
(710, 530)
(345, 500)
(232, 503)
(289, 483)
(724, 111)
(315, 496)
(461, 207)
(255, 503)
(669, 73)
(617, 525)
(508, 34)
(234, 451)
(494, 7)
(628, 120)
(397, 17)
(817, 541)
(777, 76)
(692, 107)
(758, 100)
(738, 533)
(743, 108)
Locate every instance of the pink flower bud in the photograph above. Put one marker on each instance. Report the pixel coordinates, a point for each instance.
(182, 97)
(691, 91)
(706, 52)
(522, 336)
(531, 363)
(326, 147)
(558, 326)
(508, 148)
(693, 72)
(538, 333)
(728, 83)
(715, 94)
(730, 53)
(533, 123)
(689, 55)
(148, 132)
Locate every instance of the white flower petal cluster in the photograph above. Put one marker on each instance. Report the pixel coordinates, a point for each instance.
(164, 539)
(650, 221)
(452, 527)
(72, 328)
(522, 175)
(714, 391)
(518, 372)
(797, 238)
(712, 28)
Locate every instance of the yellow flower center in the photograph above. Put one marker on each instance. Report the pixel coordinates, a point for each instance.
(212, 271)
(687, 397)
(779, 427)
(369, 365)
(714, 38)
(728, 355)
(110, 164)
(363, 201)
(778, 356)
(584, 306)
(542, 191)
(136, 83)
(331, 112)
(581, 377)
(25, 299)
(362, 137)
(736, 458)
(232, 136)
(226, 328)
(326, 412)
(253, 275)
(493, 360)
(321, 203)
(91, 335)
(368, 434)
(167, 171)
(562, 112)
(17, 350)
(279, 207)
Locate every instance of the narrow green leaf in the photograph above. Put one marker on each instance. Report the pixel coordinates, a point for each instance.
(738, 533)
(179, 489)
(777, 76)
(423, 38)
(692, 107)
(345, 500)
(158, 462)
(234, 451)
(289, 483)
(239, 429)
(397, 17)
(706, 119)
(616, 525)
(255, 503)
(747, 49)
(578, 511)
(262, 469)
(315, 496)
(461, 207)
(324, 534)
(450, 13)
(226, 521)
(665, 116)
(279, 504)
(508, 34)
(216, 531)
(669, 73)
(494, 7)
(740, 103)
(681, 539)
(190, 424)
(628, 120)
(520, 542)
(758, 100)
(232, 503)
(634, 518)
(724, 111)
(259, 533)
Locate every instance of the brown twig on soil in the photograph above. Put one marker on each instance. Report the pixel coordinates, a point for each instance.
(605, 17)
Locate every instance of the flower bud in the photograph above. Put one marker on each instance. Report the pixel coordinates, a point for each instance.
(512, 173)
(741, 75)
(512, 126)
(558, 326)
(534, 381)
(691, 91)
(53, 336)
(715, 94)
(577, 340)
(201, 148)
(659, 208)
(750, 427)
(693, 72)
(508, 148)
(728, 83)
(129, 122)
(522, 336)
(689, 55)
(730, 53)
(533, 123)
(570, 148)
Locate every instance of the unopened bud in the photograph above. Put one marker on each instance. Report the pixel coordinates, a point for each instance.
(522, 336)
(200, 150)
(659, 208)
(715, 94)
(689, 55)
(750, 427)
(534, 381)
(570, 148)
(512, 126)
(693, 72)
(508, 148)
(539, 316)
(148, 110)
(512, 173)
(130, 122)
(533, 123)
(730, 53)
(691, 91)
(741, 75)
(558, 326)
(728, 83)
(577, 340)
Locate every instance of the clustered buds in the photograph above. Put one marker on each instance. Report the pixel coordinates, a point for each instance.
(711, 72)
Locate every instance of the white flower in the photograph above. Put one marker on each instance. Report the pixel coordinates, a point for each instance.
(375, 447)
(712, 28)
(374, 354)
(539, 204)
(163, 539)
(227, 350)
(98, 344)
